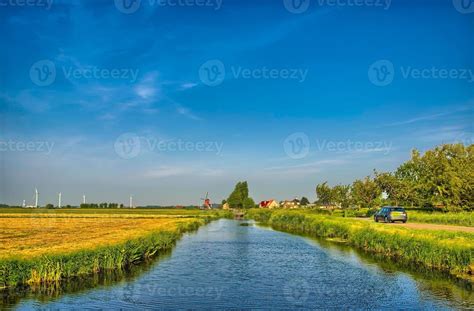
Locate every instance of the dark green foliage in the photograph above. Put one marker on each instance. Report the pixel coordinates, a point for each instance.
(366, 193)
(324, 194)
(442, 178)
(239, 198)
(304, 201)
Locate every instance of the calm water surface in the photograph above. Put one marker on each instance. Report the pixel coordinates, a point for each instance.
(226, 265)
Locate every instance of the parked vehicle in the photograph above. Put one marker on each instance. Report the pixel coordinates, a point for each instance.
(391, 214)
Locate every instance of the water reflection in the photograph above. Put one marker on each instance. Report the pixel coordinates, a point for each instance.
(45, 293)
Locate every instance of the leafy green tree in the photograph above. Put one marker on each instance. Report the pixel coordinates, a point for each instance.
(49, 206)
(398, 192)
(248, 203)
(341, 195)
(324, 193)
(237, 199)
(304, 201)
(442, 177)
(366, 193)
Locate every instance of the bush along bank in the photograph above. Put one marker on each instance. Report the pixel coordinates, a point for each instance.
(53, 268)
(451, 252)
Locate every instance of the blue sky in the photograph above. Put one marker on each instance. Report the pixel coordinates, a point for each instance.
(172, 99)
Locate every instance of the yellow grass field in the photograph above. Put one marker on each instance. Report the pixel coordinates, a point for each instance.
(28, 237)
(42, 245)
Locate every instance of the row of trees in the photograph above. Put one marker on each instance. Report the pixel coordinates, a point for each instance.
(102, 205)
(440, 178)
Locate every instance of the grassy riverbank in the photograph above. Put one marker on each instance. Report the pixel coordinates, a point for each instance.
(47, 246)
(414, 215)
(452, 252)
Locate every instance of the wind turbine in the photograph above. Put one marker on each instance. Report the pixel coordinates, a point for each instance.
(83, 199)
(36, 197)
(131, 201)
(59, 200)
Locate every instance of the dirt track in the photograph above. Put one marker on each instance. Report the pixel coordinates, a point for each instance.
(424, 226)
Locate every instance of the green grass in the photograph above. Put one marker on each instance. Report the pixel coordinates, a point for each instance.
(452, 252)
(457, 219)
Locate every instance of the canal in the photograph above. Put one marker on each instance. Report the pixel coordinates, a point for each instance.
(234, 264)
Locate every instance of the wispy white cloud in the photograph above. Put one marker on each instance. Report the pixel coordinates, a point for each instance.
(434, 116)
(171, 171)
(305, 168)
(187, 113)
(188, 85)
(148, 87)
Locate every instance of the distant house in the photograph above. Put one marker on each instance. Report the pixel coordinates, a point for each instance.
(329, 206)
(290, 204)
(269, 204)
(226, 206)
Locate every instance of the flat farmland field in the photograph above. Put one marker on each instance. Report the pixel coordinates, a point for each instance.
(47, 245)
(34, 236)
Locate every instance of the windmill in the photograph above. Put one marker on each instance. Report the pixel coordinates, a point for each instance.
(206, 202)
(59, 200)
(36, 200)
